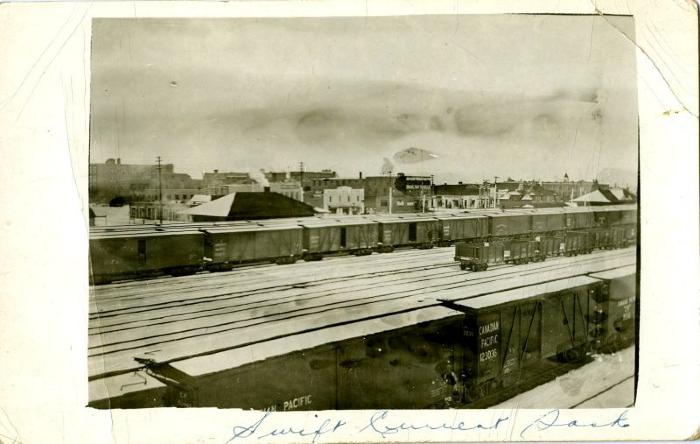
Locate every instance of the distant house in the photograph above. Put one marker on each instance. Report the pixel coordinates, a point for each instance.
(245, 206)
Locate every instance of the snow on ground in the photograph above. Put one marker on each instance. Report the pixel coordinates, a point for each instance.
(604, 383)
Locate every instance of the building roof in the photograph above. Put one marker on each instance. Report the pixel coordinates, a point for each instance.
(250, 205)
(198, 199)
(607, 196)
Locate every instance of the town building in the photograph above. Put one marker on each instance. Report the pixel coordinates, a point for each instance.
(459, 196)
(303, 177)
(291, 189)
(566, 190)
(133, 182)
(344, 200)
(217, 178)
(605, 195)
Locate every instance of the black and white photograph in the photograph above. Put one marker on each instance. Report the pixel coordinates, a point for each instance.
(421, 212)
(341, 221)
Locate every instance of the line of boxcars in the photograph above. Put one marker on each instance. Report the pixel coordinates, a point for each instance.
(124, 252)
(461, 352)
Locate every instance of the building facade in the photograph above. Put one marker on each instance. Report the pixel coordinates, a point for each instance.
(133, 182)
(344, 200)
(291, 189)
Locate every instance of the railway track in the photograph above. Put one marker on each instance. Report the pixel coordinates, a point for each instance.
(227, 310)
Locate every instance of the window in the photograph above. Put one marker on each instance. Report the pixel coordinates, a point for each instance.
(412, 231)
(343, 237)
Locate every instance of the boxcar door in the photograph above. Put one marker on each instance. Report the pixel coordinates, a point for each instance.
(142, 252)
(412, 232)
(510, 345)
(531, 335)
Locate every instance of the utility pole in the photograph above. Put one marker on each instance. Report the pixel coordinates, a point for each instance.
(301, 179)
(495, 189)
(432, 195)
(160, 192)
(391, 185)
(301, 174)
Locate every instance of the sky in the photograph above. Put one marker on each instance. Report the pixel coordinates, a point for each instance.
(521, 96)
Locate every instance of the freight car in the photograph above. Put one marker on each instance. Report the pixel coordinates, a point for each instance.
(357, 236)
(509, 225)
(612, 227)
(114, 256)
(411, 230)
(478, 256)
(465, 352)
(226, 246)
(615, 313)
(462, 227)
(514, 336)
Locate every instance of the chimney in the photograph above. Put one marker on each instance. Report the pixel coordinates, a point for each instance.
(266, 189)
(360, 174)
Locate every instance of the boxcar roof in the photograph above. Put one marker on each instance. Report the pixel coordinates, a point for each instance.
(120, 385)
(139, 234)
(250, 228)
(392, 219)
(459, 216)
(615, 273)
(336, 221)
(509, 214)
(522, 293)
(230, 359)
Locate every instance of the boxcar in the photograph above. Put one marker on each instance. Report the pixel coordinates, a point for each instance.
(226, 246)
(579, 218)
(607, 216)
(615, 313)
(628, 214)
(417, 231)
(355, 235)
(407, 360)
(548, 221)
(462, 227)
(407, 368)
(117, 255)
(510, 336)
(509, 224)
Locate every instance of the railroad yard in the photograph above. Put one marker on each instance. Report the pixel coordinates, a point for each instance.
(314, 334)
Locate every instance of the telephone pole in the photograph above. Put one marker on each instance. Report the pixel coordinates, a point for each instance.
(160, 192)
(391, 185)
(495, 191)
(301, 174)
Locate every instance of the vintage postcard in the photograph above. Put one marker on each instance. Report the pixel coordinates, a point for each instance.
(352, 222)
